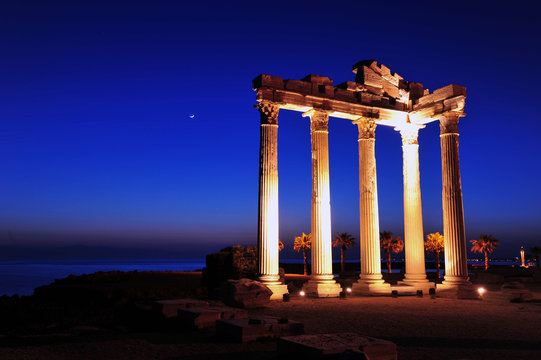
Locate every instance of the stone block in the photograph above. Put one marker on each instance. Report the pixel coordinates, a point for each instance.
(416, 90)
(331, 346)
(323, 90)
(516, 292)
(204, 317)
(369, 99)
(345, 95)
(298, 86)
(456, 103)
(245, 293)
(372, 64)
(373, 90)
(169, 308)
(265, 94)
(368, 76)
(450, 91)
(443, 93)
(265, 80)
(318, 79)
(390, 89)
(348, 85)
(251, 329)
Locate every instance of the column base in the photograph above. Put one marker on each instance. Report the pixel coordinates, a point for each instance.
(421, 284)
(325, 288)
(278, 290)
(370, 288)
(457, 291)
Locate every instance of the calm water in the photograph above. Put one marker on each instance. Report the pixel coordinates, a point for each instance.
(22, 276)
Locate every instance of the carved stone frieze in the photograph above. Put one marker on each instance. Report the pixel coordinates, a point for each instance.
(269, 112)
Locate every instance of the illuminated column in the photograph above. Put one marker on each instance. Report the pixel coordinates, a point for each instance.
(268, 201)
(413, 213)
(321, 283)
(456, 267)
(370, 280)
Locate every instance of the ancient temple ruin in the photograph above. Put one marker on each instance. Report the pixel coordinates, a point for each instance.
(376, 97)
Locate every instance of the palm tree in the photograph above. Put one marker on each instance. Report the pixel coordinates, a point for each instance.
(303, 243)
(485, 244)
(390, 245)
(536, 250)
(346, 241)
(280, 245)
(434, 242)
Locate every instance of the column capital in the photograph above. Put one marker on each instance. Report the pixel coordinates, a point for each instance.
(269, 112)
(449, 121)
(367, 128)
(409, 133)
(319, 119)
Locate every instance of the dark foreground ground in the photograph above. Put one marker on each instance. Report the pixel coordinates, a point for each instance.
(104, 316)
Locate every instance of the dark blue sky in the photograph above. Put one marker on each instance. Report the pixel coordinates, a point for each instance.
(97, 146)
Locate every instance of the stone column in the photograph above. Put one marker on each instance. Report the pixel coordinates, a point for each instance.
(413, 213)
(321, 283)
(268, 201)
(370, 280)
(456, 267)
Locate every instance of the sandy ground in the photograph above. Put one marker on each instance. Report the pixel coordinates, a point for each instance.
(422, 328)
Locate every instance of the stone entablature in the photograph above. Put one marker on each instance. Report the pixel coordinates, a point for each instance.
(376, 93)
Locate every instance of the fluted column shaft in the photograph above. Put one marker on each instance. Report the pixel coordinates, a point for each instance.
(268, 195)
(321, 248)
(413, 213)
(456, 267)
(368, 203)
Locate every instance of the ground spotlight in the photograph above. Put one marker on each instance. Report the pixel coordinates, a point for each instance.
(481, 291)
(348, 290)
(302, 293)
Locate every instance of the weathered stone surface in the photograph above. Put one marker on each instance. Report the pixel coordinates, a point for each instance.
(204, 317)
(516, 291)
(318, 79)
(326, 346)
(245, 293)
(298, 85)
(250, 329)
(169, 308)
(443, 93)
(265, 80)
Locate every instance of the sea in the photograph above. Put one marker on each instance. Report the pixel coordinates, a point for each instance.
(23, 276)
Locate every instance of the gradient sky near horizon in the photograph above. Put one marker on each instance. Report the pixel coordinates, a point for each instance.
(98, 147)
